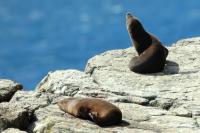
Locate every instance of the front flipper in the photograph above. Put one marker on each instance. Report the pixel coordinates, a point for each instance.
(94, 117)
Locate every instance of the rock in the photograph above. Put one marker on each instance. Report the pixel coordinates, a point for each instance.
(12, 115)
(52, 119)
(169, 121)
(177, 86)
(72, 83)
(162, 102)
(8, 89)
(31, 100)
(162, 89)
(198, 121)
(44, 117)
(127, 99)
(67, 82)
(181, 130)
(192, 107)
(110, 71)
(181, 111)
(13, 130)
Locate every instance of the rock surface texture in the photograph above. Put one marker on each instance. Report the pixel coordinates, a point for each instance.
(8, 89)
(166, 102)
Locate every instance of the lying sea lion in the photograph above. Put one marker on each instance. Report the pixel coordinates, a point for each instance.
(99, 111)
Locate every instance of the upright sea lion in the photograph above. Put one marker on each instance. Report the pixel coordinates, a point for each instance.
(96, 110)
(152, 54)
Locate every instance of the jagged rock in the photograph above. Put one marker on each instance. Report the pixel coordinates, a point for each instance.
(8, 89)
(19, 111)
(72, 83)
(52, 119)
(127, 99)
(13, 130)
(31, 100)
(182, 130)
(67, 82)
(181, 111)
(110, 71)
(169, 121)
(162, 102)
(159, 102)
(12, 115)
(178, 85)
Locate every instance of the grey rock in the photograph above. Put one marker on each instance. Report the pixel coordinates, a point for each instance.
(193, 107)
(52, 119)
(198, 121)
(169, 121)
(110, 71)
(162, 102)
(67, 82)
(181, 130)
(72, 83)
(181, 111)
(13, 130)
(129, 99)
(31, 100)
(8, 89)
(12, 115)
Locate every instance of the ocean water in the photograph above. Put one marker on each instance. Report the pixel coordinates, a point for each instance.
(38, 36)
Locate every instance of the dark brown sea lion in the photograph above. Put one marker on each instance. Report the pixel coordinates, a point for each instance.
(152, 54)
(96, 110)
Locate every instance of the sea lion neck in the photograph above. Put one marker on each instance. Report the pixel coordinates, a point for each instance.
(137, 33)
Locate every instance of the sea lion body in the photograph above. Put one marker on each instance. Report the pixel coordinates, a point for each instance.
(99, 111)
(152, 54)
(151, 60)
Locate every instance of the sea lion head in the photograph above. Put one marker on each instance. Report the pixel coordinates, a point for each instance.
(141, 39)
(132, 23)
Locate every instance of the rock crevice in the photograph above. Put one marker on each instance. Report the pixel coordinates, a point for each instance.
(150, 103)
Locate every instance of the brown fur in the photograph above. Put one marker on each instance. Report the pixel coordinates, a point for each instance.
(99, 111)
(152, 54)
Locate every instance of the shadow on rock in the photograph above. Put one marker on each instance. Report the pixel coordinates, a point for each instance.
(188, 72)
(171, 68)
(122, 124)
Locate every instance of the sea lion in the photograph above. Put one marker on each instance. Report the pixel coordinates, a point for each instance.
(152, 54)
(101, 112)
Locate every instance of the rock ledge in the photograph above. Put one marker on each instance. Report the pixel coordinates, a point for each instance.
(164, 102)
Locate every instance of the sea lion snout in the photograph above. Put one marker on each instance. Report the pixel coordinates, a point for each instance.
(131, 21)
(128, 15)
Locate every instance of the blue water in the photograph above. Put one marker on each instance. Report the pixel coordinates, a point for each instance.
(38, 36)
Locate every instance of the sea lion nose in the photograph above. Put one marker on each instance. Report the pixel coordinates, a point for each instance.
(128, 15)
